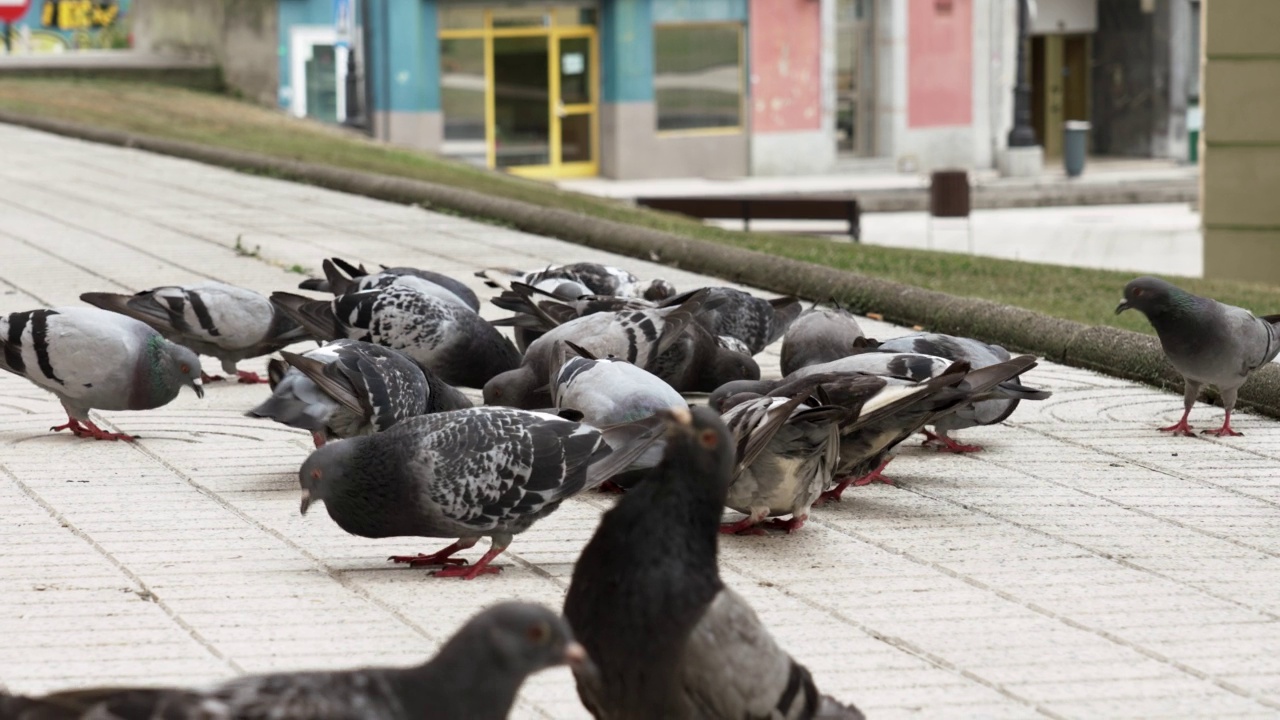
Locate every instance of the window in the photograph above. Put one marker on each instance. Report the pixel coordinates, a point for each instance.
(698, 76)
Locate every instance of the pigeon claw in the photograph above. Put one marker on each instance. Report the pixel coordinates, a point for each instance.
(250, 378)
(89, 430)
(1224, 431)
(609, 486)
(421, 560)
(1182, 428)
(789, 525)
(749, 525)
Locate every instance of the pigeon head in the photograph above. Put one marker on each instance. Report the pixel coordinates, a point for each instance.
(525, 638)
(514, 388)
(719, 399)
(172, 366)
(656, 290)
(728, 365)
(699, 441)
(1154, 297)
(324, 470)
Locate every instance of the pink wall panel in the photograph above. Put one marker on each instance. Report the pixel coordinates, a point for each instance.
(939, 63)
(785, 52)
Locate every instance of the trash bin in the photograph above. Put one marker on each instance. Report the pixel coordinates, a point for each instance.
(1074, 143)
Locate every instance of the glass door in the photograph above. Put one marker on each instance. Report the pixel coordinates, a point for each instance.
(522, 117)
(574, 140)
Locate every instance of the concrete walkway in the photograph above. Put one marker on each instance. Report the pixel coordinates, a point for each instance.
(1084, 566)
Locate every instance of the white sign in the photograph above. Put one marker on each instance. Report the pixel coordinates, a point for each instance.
(573, 63)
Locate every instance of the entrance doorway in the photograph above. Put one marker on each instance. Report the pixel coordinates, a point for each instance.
(855, 77)
(1059, 86)
(519, 88)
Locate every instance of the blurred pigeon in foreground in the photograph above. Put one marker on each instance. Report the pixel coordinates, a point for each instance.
(450, 340)
(1207, 342)
(348, 388)
(94, 359)
(476, 675)
(819, 335)
(343, 278)
(485, 471)
(589, 279)
(212, 318)
(667, 638)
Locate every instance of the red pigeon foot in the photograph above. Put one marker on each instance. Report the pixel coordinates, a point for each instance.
(789, 525)
(609, 486)
(748, 525)
(90, 430)
(318, 439)
(1182, 428)
(482, 567)
(1225, 430)
(206, 377)
(833, 495)
(951, 446)
(250, 378)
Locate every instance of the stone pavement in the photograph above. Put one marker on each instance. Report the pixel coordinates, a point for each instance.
(1083, 566)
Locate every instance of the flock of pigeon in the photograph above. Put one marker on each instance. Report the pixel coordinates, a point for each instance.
(591, 395)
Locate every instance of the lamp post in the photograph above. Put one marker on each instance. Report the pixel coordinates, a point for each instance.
(1022, 134)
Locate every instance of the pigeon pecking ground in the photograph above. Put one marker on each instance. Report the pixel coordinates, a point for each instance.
(1083, 565)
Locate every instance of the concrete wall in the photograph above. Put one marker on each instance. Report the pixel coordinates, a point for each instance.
(1240, 150)
(240, 35)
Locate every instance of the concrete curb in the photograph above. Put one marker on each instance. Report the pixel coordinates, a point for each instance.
(1113, 351)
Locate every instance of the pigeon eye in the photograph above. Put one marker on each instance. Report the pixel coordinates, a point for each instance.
(708, 439)
(1137, 292)
(185, 369)
(538, 634)
(315, 474)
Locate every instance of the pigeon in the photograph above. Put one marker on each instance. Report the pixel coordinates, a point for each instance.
(343, 278)
(819, 335)
(589, 279)
(537, 311)
(1208, 342)
(665, 342)
(666, 637)
(452, 341)
(475, 675)
(212, 318)
(978, 355)
(485, 471)
(92, 359)
(348, 388)
(754, 321)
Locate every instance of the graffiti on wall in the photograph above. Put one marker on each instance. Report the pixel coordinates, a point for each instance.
(61, 25)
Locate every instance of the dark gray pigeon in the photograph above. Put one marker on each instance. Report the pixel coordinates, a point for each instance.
(978, 355)
(589, 279)
(819, 335)
(212, 318)
(756, 322)
(96, 360)
(665, 342)
(486, 471)
(1207, 342)
(348, 388)
(667, 638)
(451, 340)
(476, 675)
(343, 278)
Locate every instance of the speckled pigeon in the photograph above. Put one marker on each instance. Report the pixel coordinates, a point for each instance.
(819, 335)
(476, 675)
(756, 322)
(486, 471)
(348, 387)
(589, 279)
(212, 318)
(451, 340)
(96, 360)
(537, 311)
(666, 637)
(343, 278)
(1208, 342)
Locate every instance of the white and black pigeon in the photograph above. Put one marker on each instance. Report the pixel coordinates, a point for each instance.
(92, 359)
(475, 675)
(537, 311)
(666, 637)
(343, 278)
(756, 322)
(348, 388)
(978, 355)
(576, 279)
(450, 340)
(819, 335)
(666, 342)
(1207, 342)
(480, 472)
(213, 318)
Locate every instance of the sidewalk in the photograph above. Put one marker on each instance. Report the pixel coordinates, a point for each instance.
(1084, 566)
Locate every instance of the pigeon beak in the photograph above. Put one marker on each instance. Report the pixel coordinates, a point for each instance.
(306, 500)
(576, 657)
(677, 416)
(1124, 305)
(198, 387)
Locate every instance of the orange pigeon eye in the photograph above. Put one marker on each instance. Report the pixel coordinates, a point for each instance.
(185, 369)
(708, 439)
(539, 633)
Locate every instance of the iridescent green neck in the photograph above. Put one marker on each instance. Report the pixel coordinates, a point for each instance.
(159, 367)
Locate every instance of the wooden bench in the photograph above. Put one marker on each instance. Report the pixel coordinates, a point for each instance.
(747, 209)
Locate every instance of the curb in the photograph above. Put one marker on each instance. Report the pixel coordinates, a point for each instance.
(1121, 353)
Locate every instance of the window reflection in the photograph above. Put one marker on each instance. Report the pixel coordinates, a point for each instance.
(698, 76)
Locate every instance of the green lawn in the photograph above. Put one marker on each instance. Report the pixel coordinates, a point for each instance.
(1087, 296)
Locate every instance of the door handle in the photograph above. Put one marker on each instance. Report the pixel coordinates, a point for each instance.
(560, 110)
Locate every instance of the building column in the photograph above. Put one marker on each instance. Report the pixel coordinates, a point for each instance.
(404, 64)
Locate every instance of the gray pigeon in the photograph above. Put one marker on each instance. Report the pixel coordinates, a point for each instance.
(212, 318)
(451, 340)
(343, 278)
(96, 360)
(978, 355)
(665, 342)
(476, 675)
(537, 311)
(486, 471)
(1207, 342)
(666, 637)
(754, 321)
(590, 278)
(348, 388)
(819, 335)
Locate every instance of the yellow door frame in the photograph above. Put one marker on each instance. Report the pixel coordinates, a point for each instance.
(556, 109)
